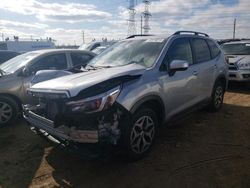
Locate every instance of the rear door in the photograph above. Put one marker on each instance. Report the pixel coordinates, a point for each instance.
(205, 67)
(181, 89)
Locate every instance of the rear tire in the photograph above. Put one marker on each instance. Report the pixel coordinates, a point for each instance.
(8, 110)
(139, 136)
(217, 97)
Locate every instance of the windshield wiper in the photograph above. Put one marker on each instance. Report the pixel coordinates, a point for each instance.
(97, 67)
(90, 67)
(104, 66)
(133, 62)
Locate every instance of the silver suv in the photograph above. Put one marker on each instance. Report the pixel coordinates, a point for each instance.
(129, 90)
(238, 54)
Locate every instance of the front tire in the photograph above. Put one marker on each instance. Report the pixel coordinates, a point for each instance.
(140, 135)
(217, 97)
(8, 110)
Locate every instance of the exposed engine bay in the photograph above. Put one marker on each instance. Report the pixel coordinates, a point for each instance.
(83, 118)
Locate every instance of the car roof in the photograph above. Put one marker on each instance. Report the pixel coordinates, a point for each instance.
(60, 50)
(238, 42)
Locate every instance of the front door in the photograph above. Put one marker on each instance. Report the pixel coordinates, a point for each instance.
(48, 62)
(180, 88)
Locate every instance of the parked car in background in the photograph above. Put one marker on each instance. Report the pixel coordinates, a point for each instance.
(100, 49)
(16, 74)
(238, 54)
(94, 44)
(5, 55)
(131, 89)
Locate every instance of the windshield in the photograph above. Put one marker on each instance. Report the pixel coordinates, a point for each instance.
(17, 62)
(237, 49)
(143, 52)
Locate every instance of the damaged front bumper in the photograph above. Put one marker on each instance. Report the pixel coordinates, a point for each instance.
(47, 126)
(104, 128)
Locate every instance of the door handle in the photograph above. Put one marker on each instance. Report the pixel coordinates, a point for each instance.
(195, 73)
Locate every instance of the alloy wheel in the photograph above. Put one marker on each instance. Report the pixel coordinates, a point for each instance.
(142, 134)
(218, 97)
(5, 112)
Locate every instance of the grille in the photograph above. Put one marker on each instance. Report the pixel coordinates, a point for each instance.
(232, 66)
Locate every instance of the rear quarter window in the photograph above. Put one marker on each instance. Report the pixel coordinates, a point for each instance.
(215, 51)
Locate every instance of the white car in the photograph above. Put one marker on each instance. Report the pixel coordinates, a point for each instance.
(238, 54)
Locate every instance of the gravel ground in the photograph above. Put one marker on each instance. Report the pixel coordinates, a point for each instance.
(203, 150)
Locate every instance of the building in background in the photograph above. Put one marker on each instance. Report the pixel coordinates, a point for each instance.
(21, 46)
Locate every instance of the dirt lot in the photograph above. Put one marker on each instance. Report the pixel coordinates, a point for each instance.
(204, 150)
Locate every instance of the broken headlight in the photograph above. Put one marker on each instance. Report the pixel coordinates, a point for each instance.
(96, 103)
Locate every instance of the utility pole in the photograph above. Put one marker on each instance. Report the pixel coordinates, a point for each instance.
(141, 24)
(131, 20)
(147, 15)
(234, 28)
(83, 37)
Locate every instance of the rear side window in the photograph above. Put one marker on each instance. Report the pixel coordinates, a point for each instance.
(79, 59)
(201, 50)
(51, 62)
(180, 49)
(215, 51)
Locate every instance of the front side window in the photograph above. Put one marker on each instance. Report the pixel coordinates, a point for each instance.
(18, 62)
(180, 49)
(79, 59)
(202, 53)
(143, 52)
(236, 48)
(50, 62)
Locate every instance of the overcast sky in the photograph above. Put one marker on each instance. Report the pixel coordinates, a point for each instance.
(64, 21)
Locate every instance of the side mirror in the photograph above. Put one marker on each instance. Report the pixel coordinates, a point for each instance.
(178, 65)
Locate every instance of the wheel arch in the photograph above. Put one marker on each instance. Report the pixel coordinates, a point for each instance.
(155, 103)
(222, 78)
(13, 97)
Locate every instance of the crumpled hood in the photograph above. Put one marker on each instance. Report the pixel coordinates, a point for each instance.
(77, 82)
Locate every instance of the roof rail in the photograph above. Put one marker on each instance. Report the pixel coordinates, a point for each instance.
(194, 32)
(143, 35)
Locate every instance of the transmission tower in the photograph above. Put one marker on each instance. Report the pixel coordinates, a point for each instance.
(146, 15)
(131, 20)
